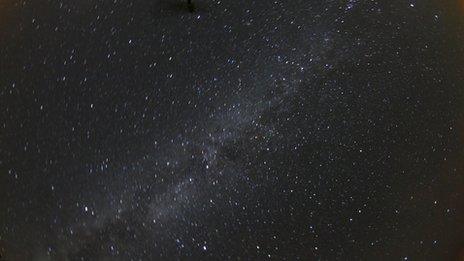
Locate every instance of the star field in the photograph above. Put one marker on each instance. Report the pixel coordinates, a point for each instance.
(244, 130)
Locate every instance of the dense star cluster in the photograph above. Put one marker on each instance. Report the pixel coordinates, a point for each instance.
(251, 130)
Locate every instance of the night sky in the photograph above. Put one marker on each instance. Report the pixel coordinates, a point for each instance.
(251, 130)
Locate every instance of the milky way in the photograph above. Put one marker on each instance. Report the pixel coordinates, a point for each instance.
(138, 130)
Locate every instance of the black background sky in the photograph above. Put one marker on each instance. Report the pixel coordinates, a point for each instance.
(291, 129)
